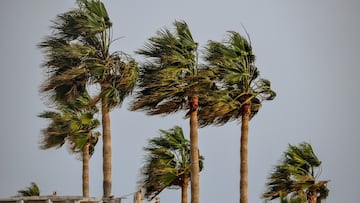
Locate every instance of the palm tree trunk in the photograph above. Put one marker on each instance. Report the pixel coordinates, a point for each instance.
(313, 197)
(107, 181)
(194, 151)
(85, 171)
(184, 190)
(244, 153)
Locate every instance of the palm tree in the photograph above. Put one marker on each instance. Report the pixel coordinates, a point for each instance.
(296, 176)
(171, 80)
(238, 94)
(74, 124)
(167, 163)
(32, 190)
(78, 56)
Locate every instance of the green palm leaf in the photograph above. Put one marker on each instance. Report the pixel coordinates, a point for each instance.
(32, 190)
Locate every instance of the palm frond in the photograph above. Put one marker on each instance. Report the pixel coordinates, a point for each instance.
(32, 190)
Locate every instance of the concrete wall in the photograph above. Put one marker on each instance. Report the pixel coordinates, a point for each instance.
(59, 199)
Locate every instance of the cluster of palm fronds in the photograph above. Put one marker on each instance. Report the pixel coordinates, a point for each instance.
(32, 190)
(296, 177)
(167, 163)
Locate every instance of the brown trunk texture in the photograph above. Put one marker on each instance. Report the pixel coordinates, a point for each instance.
(107, 181)
(184, 190)
(85, 172)
(313, 197)
(244, 153)
(194, 151)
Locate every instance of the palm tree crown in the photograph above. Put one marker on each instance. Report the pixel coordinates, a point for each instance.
(72, 123)
(167, 163)
(172, 75)
(78, 53)
(238, 82)
(296, 176)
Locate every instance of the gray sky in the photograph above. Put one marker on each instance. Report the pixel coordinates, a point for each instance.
(309, 50)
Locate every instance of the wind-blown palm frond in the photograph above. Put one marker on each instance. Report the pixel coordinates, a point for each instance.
(167, 162)
(97, 18)
(296, 176)
(32, 190)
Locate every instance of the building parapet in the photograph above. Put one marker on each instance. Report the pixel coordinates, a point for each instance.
(59, 199)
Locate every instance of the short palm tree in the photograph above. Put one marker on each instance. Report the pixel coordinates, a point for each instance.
(77, 56)
(75, 125)
(296, 176)
(171, 80)
(32, 190)
(167, 163)
(238, 94)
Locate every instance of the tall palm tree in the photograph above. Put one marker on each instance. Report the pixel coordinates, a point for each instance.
(75, 125)
(32, 190)
(78, 56)
(238, 94)
(171, 80)
(297, 176)
(167, 163)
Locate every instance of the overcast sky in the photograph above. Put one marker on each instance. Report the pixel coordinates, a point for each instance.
(308, 49)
